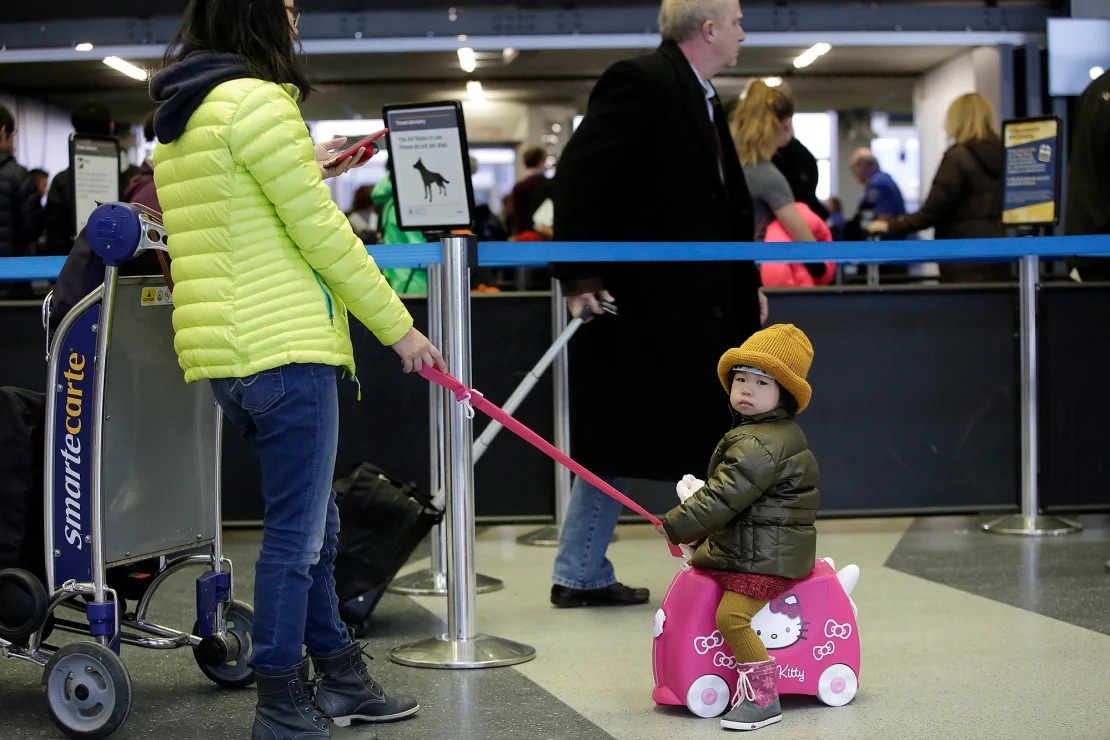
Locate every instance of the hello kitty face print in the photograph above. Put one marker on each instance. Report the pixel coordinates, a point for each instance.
(780, 624)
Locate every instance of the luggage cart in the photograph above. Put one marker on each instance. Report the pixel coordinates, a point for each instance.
(132, 477)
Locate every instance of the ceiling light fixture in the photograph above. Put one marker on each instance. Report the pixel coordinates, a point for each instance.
(474, 89)
(1096, 72)
(467, 60)
(772, 81)
(810, 55)
(83, 46)
(509, 55)
(127, 68)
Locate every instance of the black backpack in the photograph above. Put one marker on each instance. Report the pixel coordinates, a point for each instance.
(382, 522)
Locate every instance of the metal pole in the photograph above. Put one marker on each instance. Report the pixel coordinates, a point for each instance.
(549, 536)
(432, 581)
(462, 646)
(95, 540)
(1030, 521)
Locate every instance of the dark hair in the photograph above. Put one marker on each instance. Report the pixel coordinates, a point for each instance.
(533, 157)
(787, 400)
(148, 127)
(92, 118)
(39, 173)
(7, 120)
(361, 200)
(258, 31)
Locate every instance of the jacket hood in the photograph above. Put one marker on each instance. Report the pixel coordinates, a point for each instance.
(182, 87)
(383, 190)
(989, 154)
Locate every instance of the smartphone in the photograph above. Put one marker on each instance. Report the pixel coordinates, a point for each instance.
(371, 144)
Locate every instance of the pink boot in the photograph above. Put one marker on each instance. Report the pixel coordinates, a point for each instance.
(756, 701)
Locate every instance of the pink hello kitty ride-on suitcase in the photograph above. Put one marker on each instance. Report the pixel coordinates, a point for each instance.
(810, 631)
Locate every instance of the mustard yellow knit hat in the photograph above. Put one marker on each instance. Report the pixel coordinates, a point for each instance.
(783, 351)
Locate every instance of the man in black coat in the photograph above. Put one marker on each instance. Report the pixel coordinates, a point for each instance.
(652, 160)
(1088, 206)
(20, 207)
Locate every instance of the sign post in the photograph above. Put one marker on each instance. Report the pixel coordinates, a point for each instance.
(1031, 203)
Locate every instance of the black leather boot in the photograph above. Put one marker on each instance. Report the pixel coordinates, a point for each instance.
(345, 691)
(286, 710)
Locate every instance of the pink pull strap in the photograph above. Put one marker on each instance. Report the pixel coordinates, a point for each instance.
(480, 402)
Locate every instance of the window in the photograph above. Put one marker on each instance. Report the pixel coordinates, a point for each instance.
(817, 131)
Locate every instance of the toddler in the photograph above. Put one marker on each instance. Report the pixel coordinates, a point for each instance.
(754, 515)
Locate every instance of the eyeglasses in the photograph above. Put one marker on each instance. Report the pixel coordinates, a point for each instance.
(295, 13)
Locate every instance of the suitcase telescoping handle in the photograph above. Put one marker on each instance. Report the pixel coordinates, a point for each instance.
(474, 399)
(522, 390)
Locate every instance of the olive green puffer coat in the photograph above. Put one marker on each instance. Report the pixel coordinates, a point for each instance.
(757, 508)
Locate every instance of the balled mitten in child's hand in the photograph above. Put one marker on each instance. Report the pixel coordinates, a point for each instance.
(688, 486)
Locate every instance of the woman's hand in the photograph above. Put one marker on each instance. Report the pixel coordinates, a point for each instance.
(878, 226)
(327, 150)
(416, 352)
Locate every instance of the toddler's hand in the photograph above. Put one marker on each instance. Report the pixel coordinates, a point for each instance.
(685, 487)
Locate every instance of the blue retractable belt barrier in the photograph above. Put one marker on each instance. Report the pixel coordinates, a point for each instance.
(525, 254)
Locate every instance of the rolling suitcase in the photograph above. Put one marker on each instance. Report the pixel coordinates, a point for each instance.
(383, 520)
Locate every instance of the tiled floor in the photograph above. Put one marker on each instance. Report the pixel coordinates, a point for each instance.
(964, 635)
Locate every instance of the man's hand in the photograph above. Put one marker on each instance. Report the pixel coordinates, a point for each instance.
(585, 305)
(878, 226)
(416, 352)
(327, 150)
(764, 307)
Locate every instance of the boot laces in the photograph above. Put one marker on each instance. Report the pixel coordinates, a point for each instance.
(308, 705)
(744, 689)
(360, 668)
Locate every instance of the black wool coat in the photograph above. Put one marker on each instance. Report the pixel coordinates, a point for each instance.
(643, 167)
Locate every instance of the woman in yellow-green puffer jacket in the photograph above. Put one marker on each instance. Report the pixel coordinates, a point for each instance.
(266, 268)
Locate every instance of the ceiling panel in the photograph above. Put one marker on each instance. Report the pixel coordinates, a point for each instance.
(845, 78)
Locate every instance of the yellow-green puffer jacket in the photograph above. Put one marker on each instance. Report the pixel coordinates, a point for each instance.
(265, 265)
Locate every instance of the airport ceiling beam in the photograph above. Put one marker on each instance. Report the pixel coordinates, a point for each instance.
(784, 23)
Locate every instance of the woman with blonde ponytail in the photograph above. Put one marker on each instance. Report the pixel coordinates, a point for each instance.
(761, 123)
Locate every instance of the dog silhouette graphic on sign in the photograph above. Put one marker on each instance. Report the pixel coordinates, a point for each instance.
(431, 178)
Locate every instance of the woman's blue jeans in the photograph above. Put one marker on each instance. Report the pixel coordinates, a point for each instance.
(290, 415)
(587, 528)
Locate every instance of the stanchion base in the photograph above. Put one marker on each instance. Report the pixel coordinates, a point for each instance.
(428, 582)
(1108, 566)
(483, 651)
(1032, 526)
(545, 537)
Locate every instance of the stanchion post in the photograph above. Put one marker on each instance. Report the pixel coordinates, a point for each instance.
(549, 536)
(1030, 521)
(432, 581)
(462, 646)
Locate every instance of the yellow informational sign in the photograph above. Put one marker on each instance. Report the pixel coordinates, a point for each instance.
(157, 297)
(1031, 182)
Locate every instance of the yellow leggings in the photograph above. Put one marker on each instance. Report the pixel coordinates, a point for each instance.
(734, 620)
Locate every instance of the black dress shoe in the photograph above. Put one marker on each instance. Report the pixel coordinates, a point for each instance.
(615, 595)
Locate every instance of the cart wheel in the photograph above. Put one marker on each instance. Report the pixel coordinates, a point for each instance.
(708, 696)
(237, 673)
(88, 691)
(837, 685)
(24, 602)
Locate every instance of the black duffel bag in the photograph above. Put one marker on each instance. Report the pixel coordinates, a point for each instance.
(382, 520)
(22, 422)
